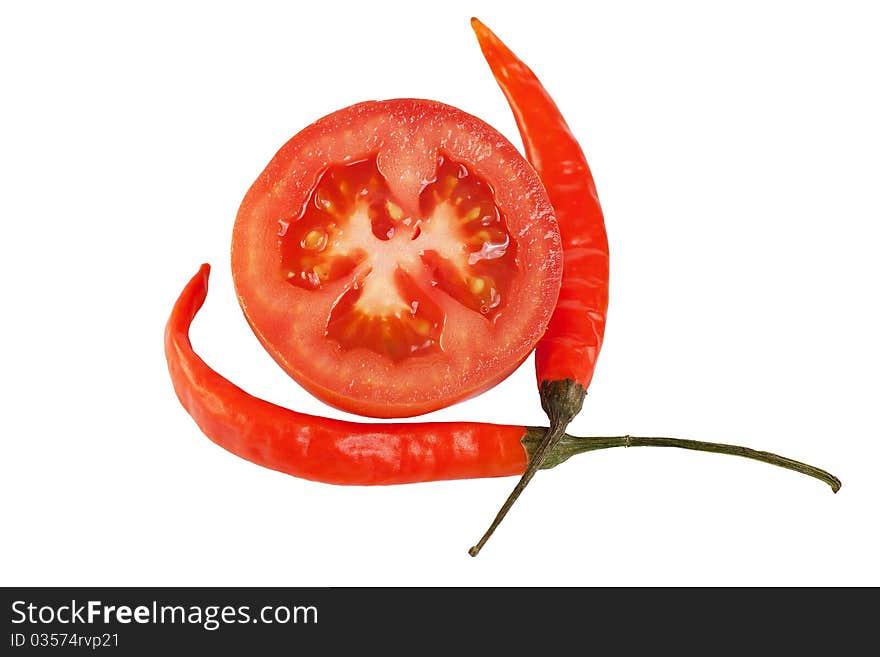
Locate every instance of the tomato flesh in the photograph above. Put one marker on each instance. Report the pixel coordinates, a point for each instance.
(397, 257)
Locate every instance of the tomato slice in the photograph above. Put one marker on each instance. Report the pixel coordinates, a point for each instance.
(396, 257)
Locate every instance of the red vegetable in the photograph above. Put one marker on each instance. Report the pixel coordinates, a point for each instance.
(340, 452)
(396, 257)
(566, 355)
(324, 449)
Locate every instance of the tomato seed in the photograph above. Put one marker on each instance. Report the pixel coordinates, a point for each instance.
(476, 285)
(394, 210)
(315, 240)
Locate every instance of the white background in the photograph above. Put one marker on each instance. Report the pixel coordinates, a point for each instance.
(735, 148)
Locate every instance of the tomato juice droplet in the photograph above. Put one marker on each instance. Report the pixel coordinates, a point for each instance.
(354, 231)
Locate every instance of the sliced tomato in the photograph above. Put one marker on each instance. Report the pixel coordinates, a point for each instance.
(396, 257)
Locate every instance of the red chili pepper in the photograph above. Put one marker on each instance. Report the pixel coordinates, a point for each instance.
(323, 449)
(340, 452)
(566, 355)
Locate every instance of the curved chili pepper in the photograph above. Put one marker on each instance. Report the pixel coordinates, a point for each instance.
(323, 449)
(339, 452)
(566, 355)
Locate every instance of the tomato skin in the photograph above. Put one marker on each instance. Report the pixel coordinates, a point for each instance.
(406, 136)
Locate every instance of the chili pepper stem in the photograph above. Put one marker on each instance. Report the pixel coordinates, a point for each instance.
(562, 401)
(567, 446)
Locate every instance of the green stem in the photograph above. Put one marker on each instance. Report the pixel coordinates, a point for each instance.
(547, 449)
(562, 401)
(549, 440)
(569, 446)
